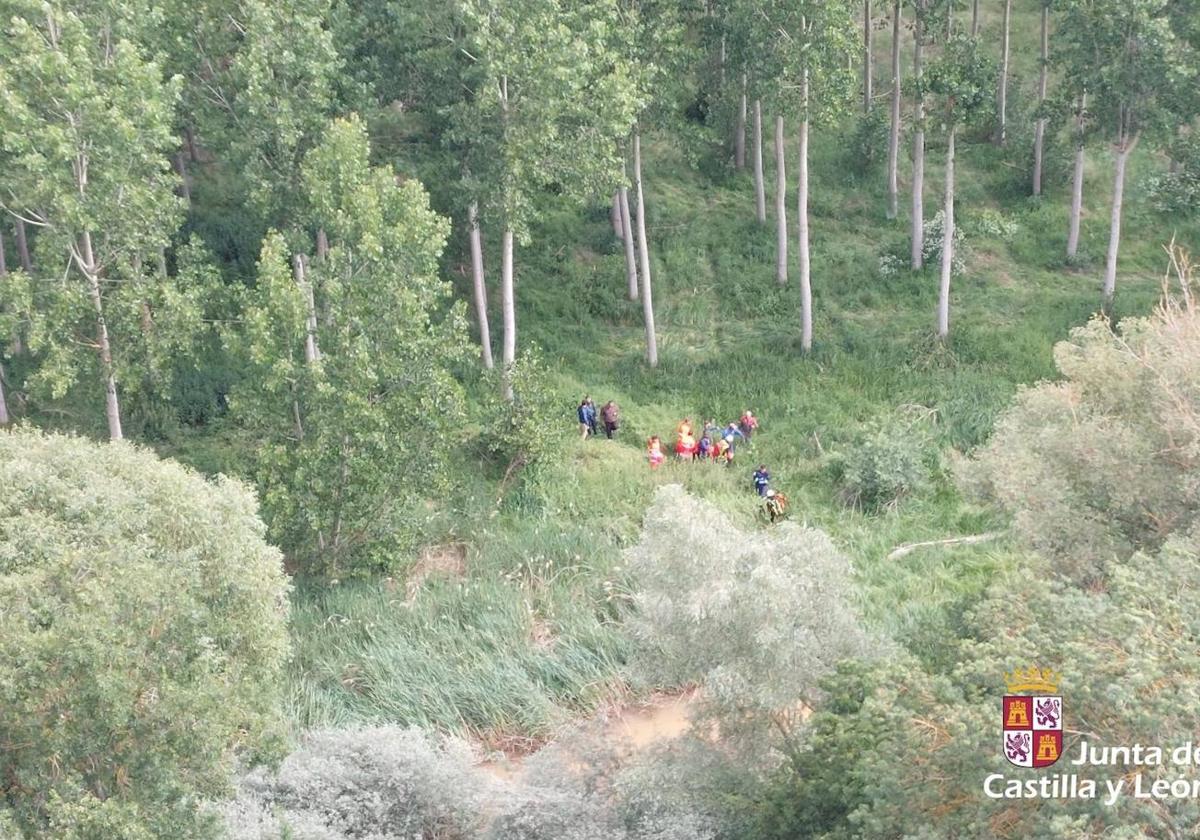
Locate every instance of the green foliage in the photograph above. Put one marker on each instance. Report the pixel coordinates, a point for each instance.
(754, 618)
(1177, 191)
(887, 464)
(1104, 462)
(904, 752)
(141, 641)
(528, 429)
(351, 383)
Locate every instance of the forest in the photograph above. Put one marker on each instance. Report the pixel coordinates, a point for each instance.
(301, 535)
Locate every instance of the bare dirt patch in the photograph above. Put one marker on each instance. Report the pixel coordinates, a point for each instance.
(446, 560)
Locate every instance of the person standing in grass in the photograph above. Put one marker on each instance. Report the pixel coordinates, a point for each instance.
(611, 417)
(654, 452)
(732, 433)
(587, 417)
(748, 424)
(711, 431)
(762, 480)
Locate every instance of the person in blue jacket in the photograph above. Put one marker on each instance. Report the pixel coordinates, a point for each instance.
(732, 433)
(762, 480)
(587, 417)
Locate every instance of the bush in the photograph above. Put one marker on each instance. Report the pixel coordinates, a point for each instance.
(886, 465)
(754, 618)
(931, 245)
(1178, 191)
(1107, 461)
(142, 638)
(370, 783)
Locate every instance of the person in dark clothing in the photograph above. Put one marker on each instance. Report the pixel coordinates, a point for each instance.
(587, 418)
(762, 480)
(610, 416)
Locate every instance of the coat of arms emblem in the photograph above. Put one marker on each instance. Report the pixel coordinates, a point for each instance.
(1032, 733)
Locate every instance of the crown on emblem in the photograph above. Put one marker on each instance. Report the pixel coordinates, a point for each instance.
(1032, 679)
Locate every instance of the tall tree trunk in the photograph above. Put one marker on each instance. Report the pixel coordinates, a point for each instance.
(1039, 131)
(1077, 182)
(1125, 145)
(644, 251)
(894, 132)
(112, 408)
(868, 57)
(739, 132)
(943, 311)
(974, 18)
(508, 305)
(631, 272)
(760, 192)
(185, 187)
(312, 353)
(190, 137)
(802, 223)
(479, 285)
(4, 418)
(1002, 92)
(614, 215)
(23, 247)
(322, 244)
(16, 339)
(918, 184)
(781, 242)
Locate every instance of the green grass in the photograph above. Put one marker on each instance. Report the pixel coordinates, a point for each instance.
(529, 634)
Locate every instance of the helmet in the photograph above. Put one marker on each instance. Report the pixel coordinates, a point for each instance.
(770, 494)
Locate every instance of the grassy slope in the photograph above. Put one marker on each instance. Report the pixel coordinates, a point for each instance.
(530, 634)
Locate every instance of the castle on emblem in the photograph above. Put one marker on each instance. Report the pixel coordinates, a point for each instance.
(1032, 722)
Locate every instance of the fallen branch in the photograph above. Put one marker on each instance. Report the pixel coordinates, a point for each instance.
(909, 548)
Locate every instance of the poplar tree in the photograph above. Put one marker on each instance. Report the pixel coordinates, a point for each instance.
(1133, 63)
(958, 81)
(550, 89)
(351, 354)
(89, 166)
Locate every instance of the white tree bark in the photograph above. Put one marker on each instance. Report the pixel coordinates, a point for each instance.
(918, 184)
(1039, 130)
(509, 307)
(739, 133)
(614, 215)
(644, 252)
(23, 247)
(943, 311)
(185, 185)
(4, 418)
(1125, 145)
(3, 259)
(1002, 92)
(631, 271)
(760, 192)
(781, 240)
(1077, 183)
(868, 58)
(312, 352)
(894, 131)
(974, 18)
(112, 407)
(479, 285)
(322, 244)
(802, 223)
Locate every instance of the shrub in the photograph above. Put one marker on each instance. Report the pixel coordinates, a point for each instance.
(993, 223)
(886, 465)
(755, 618)
(890, 267)
(142, 638)
(1178, 191)
(931, 246)
(1107, 461)
(371, 783)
